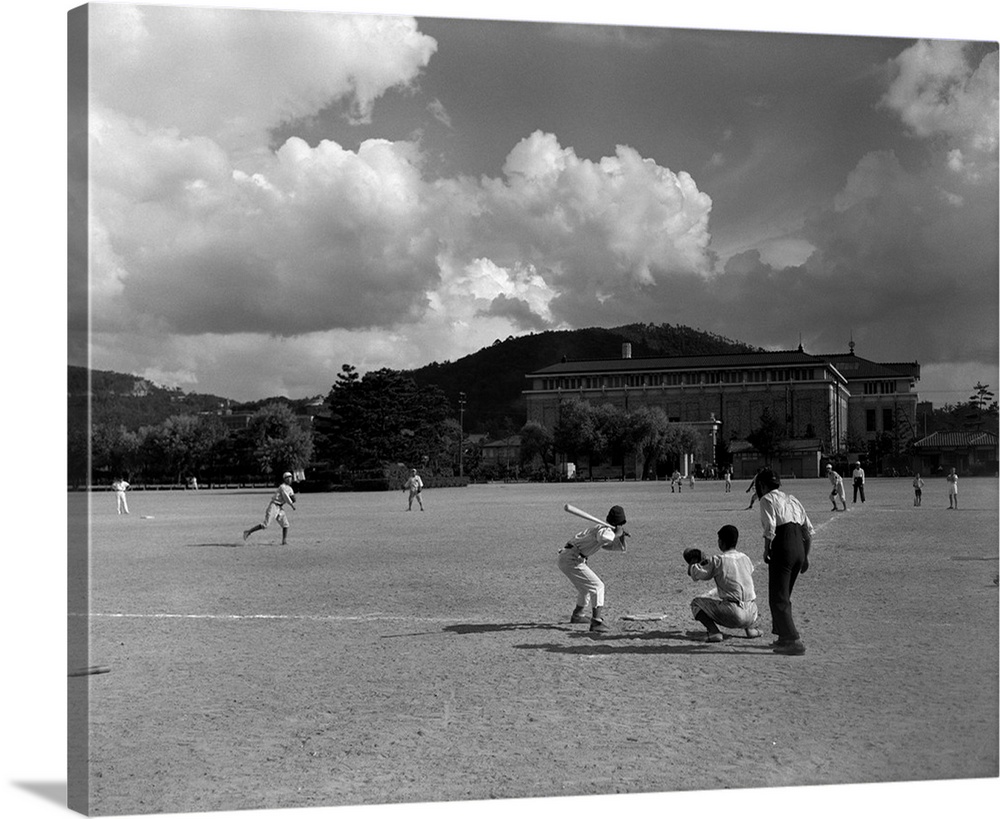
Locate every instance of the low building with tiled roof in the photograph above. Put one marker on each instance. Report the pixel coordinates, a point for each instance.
(968, 451)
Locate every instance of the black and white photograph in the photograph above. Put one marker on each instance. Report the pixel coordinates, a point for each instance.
(505, 408)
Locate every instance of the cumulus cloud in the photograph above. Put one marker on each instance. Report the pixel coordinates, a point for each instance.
(906, 253)
(197, 238)
(236, 73)
(897, 263)
(622, 226)
(938, 92)
(217, 258)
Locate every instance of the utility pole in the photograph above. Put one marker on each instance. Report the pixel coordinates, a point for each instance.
(461, 430)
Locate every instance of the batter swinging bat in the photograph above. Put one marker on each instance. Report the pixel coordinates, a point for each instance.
(573, 510)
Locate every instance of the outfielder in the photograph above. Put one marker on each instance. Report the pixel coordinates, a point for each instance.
(120, 486)
(414, 484)
(838, 487)
(952, 478)
(732, 603)
(573, 563)
(276, 509)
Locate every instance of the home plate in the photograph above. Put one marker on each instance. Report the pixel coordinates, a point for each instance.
(649, 616)
(147, 517)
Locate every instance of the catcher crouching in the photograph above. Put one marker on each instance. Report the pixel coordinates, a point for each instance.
(732, 603)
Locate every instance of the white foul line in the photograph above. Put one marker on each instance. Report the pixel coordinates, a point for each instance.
(314, 617)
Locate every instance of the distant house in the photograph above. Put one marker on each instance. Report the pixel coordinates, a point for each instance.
(502, 451)
(969, 452)
(799, 458)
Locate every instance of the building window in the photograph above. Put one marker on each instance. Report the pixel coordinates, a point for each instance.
(870, 420)
(887, 422)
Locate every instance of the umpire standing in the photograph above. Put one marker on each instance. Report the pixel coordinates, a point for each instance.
(787, 537)
(859, 482)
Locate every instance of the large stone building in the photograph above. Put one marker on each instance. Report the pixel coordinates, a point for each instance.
(825, 402)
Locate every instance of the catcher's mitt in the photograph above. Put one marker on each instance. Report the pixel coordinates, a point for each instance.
(692, 556)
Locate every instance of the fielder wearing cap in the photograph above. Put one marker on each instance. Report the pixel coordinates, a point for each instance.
(838, 487)
(573, 563)
(275, 510)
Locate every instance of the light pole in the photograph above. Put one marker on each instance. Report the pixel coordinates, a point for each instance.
(461, 430)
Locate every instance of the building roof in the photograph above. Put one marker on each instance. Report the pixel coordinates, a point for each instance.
(854, 368)
(509, 441)
(958, 439)
(786, 358)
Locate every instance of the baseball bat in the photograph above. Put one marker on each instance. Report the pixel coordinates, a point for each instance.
(574, 510)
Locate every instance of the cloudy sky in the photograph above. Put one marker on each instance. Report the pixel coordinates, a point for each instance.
(274, 194)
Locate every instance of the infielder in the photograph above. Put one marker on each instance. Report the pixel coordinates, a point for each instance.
(952, 478)
(121, 486)
(732, 603)
(838, 487)
(414, 484)
(573, 563)
(275, 510)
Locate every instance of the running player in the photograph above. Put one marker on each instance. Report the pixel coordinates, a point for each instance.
(275, 510)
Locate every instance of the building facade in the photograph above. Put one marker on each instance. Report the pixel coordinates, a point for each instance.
(825, 400)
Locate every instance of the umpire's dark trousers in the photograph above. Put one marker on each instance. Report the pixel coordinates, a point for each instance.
(787, 554)
(859, 488)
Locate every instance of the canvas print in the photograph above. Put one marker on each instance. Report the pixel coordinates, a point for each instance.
(471, 410)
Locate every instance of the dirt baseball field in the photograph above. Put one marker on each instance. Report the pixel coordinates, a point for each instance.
(387, 656)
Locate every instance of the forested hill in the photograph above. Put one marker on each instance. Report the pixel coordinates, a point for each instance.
(493, 378)
(129, 400)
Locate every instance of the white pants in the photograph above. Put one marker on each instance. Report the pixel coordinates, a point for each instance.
(122, 503)
(589, 587)
(724, 612)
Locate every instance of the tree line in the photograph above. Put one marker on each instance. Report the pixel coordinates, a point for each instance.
(186, 446)
(367, 423)
(387, 419)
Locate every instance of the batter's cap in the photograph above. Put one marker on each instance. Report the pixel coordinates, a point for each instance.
(616, 516)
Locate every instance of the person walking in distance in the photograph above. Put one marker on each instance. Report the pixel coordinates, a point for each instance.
(120, 487)
(858, 476)
(838, 487)
(751, 489)
(573, 563)
(787, 538)
(283, 496)
(414, 485)
(918, 486)
(952, 479)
